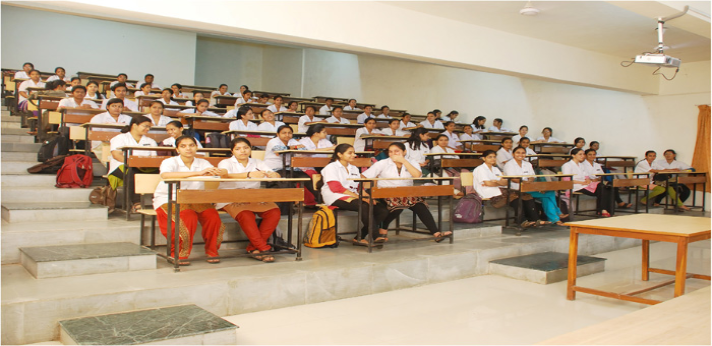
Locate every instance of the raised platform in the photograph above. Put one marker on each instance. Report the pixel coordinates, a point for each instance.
(545, 267)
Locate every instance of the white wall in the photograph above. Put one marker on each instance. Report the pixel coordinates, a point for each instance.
(282, 70)
(92, 45)
(231, 62)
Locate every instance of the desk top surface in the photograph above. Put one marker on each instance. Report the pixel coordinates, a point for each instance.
(676, 225)
(249, 180)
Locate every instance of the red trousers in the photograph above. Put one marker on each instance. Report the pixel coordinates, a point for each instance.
(258, 235)
(212, 229)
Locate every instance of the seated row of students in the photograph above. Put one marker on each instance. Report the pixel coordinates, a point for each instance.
(657, 191)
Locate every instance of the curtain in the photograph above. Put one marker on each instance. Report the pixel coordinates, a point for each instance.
(701, 157)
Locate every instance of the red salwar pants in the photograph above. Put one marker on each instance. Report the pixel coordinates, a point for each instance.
(258, 236)
(190, 215)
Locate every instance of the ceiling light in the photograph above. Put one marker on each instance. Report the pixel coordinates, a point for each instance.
(529, 10)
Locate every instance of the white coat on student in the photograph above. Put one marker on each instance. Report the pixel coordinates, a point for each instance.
(503, 156)
(69, 102)
(428, 125)
(325, 110)
(386, 168)
(579, 173)
(273, 160)
(127, 140)
(175, 164)
(360, 144)
(511, 168)
(483, 173)
(133, 106)
(239, 125)
(336, 172)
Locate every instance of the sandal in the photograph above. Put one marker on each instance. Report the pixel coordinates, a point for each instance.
(441, 236)
(527, 224)
(181, 262)
(260, 256)
(624, 205)
(382, 237)
(213, 260)
(563, 216)
(362, 242)
(560, 224)
(605, 214)
(540, 223)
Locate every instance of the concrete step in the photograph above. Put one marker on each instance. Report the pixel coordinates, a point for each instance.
(17, 138)
(7, 118)
(8, 122)
(28, 234)
(19, 156)
(5, 111)
(545, 267)
(176, 325)
(16, 167)
(20, 147)
(84, 259)
(30, 180)
(17, 131)
(70, 211)
(31, 194)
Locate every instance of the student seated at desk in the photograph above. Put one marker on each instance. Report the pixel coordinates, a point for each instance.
(133, 135)
(167, 97)
(77, 100)
(369, 128)
(594, 145)
(438, 115)
(645, 166)
(242, 90)
(308, 117)
(523, 130)
(177, 89)
(504, 154)
(467, 136)
(25, 73)
(497, 126)
(517, 166)
(417, 147)
(584, 185)
(441, 147)
(392, 129)
(222, 90)
(579, 143)
(149, 79)
(546, 137)
(113, 115)
(75, 81)
(121, 78)
(450, 116)
(592, 168)
(336, 116)
(315, 139)
(524, 143)
(145, 90)
(488, 184)
(405, 122)
(186, 165)
(201, 108)
(452, 137)
(340, 192)
(119, 90)
(284, 141)
(327, 108)
(478, 126)
(352, 106)
(292, 107)
(264, 99)
(385, 111)
(361, 118)
(197, 96)
(241, 166)
(156, 114)
(175, 129)
(33, 82)
(243, 115)
(671, 164)
(245, 98)
(277, 106)
(431, 123)
(268, 123)
(93, 91)
(59, 74)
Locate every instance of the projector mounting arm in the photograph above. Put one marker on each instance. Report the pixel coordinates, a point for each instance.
(661, 29)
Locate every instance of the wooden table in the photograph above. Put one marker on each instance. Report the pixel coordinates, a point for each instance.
(669, 228)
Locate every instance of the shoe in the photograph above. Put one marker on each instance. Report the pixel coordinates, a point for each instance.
(280, 242)
(605, 214)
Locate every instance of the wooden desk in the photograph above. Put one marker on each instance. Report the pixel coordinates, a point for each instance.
(106, 136)
(537, 186)
(288, 154)
(669, 228)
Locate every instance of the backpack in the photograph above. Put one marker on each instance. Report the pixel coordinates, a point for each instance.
(322, 230)
(54, 147)
(468, 209)
(77, 171)
(217, 140)
(50, 166)
(104, 195)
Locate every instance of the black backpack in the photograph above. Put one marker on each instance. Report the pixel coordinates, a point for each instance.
(50, 166)
(56, 146)
(217, 140)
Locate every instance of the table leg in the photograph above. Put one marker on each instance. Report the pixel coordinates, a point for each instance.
(646, 260)
(573, 261)
(681, 267)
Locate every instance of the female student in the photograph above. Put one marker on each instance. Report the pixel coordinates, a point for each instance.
(385, 111)
(241, 166)
(671, 164)
(337, 116)
(497, 126)
(594, 145)
(145, 90)
(524, 143)
(201, 108)
(592, 168)
(268, 123)
(579, 143)
(431, 123)
(453, 138)
(59, 74)
(478, 126)
(327, 107)
(369, 128)
(174, 129)
(438, 115)
(167, 98)
(504, 154)
(284, 141)
(392, 129)
(177, 91)
(352, 106)
(242, 90)
(315, 139)
(365, 115)
(546, 137)
(340, 192)
(134, 135)
(186, 165)
(645, 166)
(467, 136)
(442, 147)
(583, 183)
(222, 90)
(93, 91)
(156, 114)
(488, 184)
(523, 130)
(308, 117)
(77, 100)
(292, 107)
(245, 98)
(517, 166)
(25, 73)
(405, 122)
(397, 166)
(33, 82)
(197, 96)
(277, 106)
(244, 115)
(417, 147)
(450, 116)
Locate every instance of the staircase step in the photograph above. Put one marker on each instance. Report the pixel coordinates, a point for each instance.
(70, 211)
(10, 124)
(4, 110)
(7, 118)
(16, 138)
(84, 259)
(16, 167)
(19, 156)
(176, 325)
(10, 131)
(545, 267)
(30, 194)
(32, 180)
(20, 147)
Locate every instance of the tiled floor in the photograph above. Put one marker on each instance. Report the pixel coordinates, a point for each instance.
(480, 310)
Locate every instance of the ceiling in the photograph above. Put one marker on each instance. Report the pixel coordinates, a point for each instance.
(604, 27)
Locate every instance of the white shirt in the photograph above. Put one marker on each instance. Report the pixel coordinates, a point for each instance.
(361, 118)
(360, 144)
(577, 170)
(428, 125)
(162, 121)
(273, 160)
(27, 84)
(274, 109)
(171, 142)
(69, 102)
(663, 164)
(21, 75)
(445, 118)
(531, 152)
(501, 129)
(389, 132)
(332, 119)
(302, 126)
(483, 173)
(452, 139)
(239, 125)
(417, 155)
(644, 167)
(403, 125)
(348, 108)
(233, 166)
(240, 100)
(387, 169)
(56, 77)
(512, 168)
(204, 114)
(175, 164)
(592, 170)
(503, 156)
(466, 137)
(438, 150)
(515, 140)
(128, 85)
(97, 96)
(383, 116)
(265, 126)
(133, 106)
(551, 139)
(325, 110)
(106, 118)
(126, 140)
(167, 103)
(335, 171)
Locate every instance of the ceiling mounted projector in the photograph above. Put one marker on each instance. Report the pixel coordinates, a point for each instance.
(529, 10)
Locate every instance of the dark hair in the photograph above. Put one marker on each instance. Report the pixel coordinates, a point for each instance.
(98, 94)
(523, 126)
(384, 107)
(430, 113)
(316, 128)
(548, 128)
(519, 147)
(400, 145)
(176, 123)
(247, 91)
(237, 140)
(498, 120)
(77, 87)
(436, 111)
(477, 120)
(183, 137)
(414, 142)
(441, 136)
(118, 85)
(367, 106)
(329, 98)
(29, 63)
(574, 151)
(264, 95)
(282, 127)
(589, 150)
(195, 92)
(290, 103)
(93, 82)
(523, 138)
(405, 114)
(167, 89)
(505, 139)
(650, 152)
(337, 107)
(75, 78)
(112, 101)
(340, 149)
(222, 85)
(202, 101)
(276, 97)
(143, 85)
(488, 153)
(180, 87)
(57, 68)
(671, 151)
(590, 144)
(135, 120)
(394, 120)
(122, 74)
(157, 102)
(352, 100)
(246, 87)
(448, 123)
(51, 85)
(369, 119)
(148, 75)
(240, 111)
(33, 70)
(579, 139)
(312, 107)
